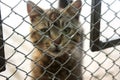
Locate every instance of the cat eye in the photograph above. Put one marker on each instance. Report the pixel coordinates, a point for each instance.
(67, 30)
(44, 29)
(35, 42)
(66, 23)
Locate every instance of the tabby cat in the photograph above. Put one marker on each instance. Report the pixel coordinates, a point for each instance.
(57, 37)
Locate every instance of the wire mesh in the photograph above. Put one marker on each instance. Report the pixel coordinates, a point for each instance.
(19, 49)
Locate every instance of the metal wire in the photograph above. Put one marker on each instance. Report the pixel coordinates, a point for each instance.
(99, 65)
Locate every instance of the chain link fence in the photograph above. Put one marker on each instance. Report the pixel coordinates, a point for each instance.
(19, 49)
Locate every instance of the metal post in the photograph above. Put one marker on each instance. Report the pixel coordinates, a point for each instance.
(2, 57)
(95, 25)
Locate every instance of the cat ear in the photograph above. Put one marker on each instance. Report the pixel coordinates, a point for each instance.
(34, 11)
(74, 9)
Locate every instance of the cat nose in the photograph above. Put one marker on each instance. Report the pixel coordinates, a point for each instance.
(58, 41)
(57, 48)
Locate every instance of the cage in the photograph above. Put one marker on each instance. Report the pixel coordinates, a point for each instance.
(100, 53)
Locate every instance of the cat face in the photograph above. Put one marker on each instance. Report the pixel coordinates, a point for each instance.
(55, 31)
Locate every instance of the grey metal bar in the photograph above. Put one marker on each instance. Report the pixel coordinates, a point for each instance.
(95, 25)
(110, 43)
(95, 43)
(2, 56)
